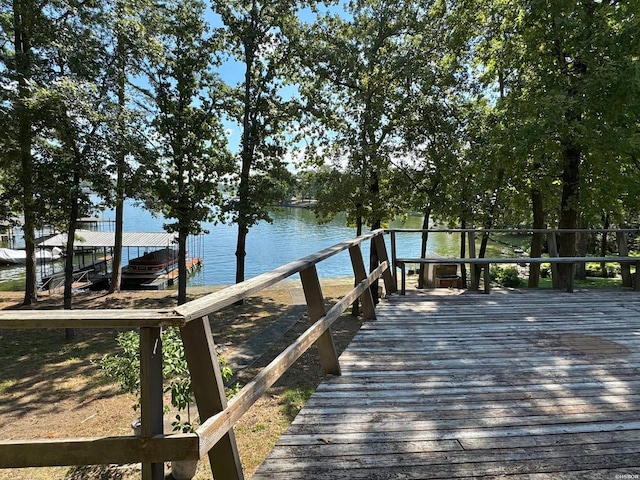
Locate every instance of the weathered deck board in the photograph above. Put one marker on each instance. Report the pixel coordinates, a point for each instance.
(535, 385)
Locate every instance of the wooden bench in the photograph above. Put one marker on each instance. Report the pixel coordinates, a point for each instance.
(484, 264)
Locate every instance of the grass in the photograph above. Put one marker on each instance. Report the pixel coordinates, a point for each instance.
(590, 282)
(294, 400)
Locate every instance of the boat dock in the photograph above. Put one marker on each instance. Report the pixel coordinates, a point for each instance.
(155, 276)
(160, 281)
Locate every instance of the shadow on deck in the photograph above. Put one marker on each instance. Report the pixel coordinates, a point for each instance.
(534, 384)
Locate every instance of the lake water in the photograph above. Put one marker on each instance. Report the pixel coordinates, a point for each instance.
(293, 234)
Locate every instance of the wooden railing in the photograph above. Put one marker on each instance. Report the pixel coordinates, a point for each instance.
(215, 436)
(477, 264)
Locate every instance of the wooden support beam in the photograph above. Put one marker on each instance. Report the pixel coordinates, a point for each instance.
(96, 451)
(394, 256)
(230, 295)
(360, 273)
(387, 275)
(151, 408)
(475, 279)
(215, 427)
(85, 318)
(315, 304)
(552, 243)
(208, 390)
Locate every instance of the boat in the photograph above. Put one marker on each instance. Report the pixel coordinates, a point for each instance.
(163, 260)
(154, 270)
(9, 256)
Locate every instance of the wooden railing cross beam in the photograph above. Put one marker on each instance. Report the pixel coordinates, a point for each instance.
(327, 352)
(209, 393)
(360, 273)
(383, 257)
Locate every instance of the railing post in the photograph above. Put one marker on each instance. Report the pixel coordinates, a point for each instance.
(553, 252)
(208, 390)
(151, 394)
(315, 304)
(388, 274)
(394, 256)
(360, 273)
(475, 277)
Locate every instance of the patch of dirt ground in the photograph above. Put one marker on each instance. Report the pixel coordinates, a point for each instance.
(51, 388)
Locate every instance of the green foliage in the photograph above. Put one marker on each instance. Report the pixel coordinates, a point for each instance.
(507, 277)
(253, 34)
(186, 100)
(124, 368)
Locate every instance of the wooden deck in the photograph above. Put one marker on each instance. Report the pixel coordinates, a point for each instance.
(538, 385)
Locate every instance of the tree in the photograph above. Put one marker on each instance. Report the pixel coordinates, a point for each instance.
(72, 134)
(191, 144)
(24, 30)
(128, 39)
(566, 68)
(253, 33)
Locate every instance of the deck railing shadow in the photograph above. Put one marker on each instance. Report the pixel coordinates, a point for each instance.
(214, 438)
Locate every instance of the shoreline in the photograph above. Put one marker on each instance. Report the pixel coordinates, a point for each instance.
(9, 298)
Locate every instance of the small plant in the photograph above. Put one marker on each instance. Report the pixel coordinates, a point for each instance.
(507, 277)
(124, 367)
(510, 277)
(495, 273)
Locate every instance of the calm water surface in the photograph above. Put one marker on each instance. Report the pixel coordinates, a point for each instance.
(294, 233)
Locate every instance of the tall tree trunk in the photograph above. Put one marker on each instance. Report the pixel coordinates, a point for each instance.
(68, 267)
(582, 245)
(423, 245)
(116, 261)
(537, 239)
(22, 47)
(182, 265)
(623, 251)
(244, 201)
(568, 213)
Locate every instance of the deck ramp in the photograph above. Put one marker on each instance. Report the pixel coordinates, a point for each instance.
(531, 385)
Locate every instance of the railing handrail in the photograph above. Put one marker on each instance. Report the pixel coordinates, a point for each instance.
(106, 318)
(230, 295)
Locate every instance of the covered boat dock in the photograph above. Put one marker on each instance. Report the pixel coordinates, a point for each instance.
(136, 244)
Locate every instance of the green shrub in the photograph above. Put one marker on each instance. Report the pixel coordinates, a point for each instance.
(510, 277)
(495, 273)
(507, 277)
(124, 368)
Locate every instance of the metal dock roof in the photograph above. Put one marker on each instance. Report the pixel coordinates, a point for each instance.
(93, 239)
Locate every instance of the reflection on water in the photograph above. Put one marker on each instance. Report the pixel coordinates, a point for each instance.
(294, 233)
